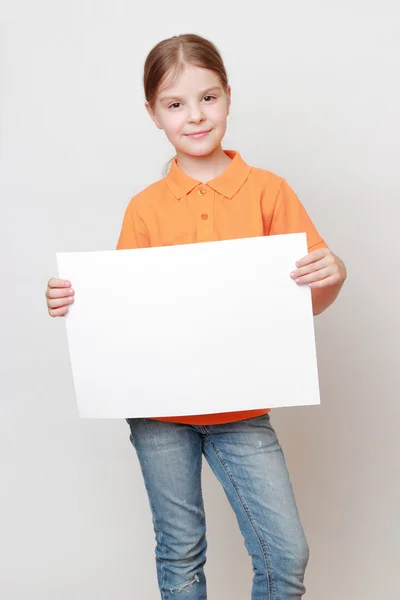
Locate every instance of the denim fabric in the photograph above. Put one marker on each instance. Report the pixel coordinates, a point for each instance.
(248, 461)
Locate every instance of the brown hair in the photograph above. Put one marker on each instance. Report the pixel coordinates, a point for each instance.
(171, 55)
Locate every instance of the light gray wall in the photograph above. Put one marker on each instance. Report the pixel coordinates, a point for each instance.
(315, 99)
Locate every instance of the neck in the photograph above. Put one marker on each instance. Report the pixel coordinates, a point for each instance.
(204, 168)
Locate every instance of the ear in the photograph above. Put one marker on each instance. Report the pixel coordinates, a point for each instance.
(229, 95)
(153, 115)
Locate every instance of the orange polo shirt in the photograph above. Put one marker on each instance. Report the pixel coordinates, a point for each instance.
(242, 202)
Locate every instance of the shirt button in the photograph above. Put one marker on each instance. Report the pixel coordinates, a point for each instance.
(204, 216)
(201, 192)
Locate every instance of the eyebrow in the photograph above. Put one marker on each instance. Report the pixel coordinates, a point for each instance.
(204, 93)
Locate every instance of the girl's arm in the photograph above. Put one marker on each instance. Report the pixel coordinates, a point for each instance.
(325, 273)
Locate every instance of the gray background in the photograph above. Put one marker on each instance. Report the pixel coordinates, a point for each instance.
(316, 100)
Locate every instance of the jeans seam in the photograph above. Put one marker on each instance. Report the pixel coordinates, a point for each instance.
(264, 547)
(159, 543)
(162, 566)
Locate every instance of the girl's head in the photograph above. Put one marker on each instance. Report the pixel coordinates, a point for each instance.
(187, 93)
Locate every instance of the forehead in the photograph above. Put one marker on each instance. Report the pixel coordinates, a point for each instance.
(186, 79)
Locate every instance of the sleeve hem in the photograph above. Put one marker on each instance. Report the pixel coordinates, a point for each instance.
(320, 244)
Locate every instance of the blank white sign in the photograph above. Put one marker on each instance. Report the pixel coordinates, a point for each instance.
(193, 329)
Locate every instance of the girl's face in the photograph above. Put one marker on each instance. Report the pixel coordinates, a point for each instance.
(192, 111)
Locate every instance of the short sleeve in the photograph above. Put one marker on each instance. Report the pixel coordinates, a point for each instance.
(134, 232)
(290, 216)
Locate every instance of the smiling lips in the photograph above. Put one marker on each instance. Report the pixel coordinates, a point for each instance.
(198, 134)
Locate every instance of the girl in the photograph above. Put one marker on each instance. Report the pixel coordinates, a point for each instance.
(212, 194)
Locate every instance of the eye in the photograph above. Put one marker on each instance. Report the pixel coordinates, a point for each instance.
(209, 98)
(174, 105)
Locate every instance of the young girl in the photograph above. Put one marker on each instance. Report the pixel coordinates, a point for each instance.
(212, 194)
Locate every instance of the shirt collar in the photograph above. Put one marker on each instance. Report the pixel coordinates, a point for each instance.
(227, 184)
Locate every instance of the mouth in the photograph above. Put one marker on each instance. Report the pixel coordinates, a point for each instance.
(198, 134)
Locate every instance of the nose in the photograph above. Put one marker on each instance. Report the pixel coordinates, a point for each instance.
(195, 114)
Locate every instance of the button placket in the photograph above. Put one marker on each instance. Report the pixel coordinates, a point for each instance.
(204, 215)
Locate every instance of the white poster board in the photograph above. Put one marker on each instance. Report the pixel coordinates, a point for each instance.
(194, 329)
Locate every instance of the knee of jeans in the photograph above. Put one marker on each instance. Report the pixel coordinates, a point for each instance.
(186, 587)
(298, 556)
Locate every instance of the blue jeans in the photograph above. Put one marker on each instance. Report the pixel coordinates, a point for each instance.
(248, 461)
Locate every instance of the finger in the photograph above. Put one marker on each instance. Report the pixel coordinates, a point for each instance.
(58, 312)
(315, 266)
(59, 302)
(331, 280)
(316, 276)
(58, 283)
(312, 257)
(59, 293)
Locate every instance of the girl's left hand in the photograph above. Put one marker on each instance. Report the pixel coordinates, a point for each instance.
(319, 269)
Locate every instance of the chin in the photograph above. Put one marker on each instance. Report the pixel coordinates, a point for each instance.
(200, 149)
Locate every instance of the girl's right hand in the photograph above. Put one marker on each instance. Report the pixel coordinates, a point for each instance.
(59, 296)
